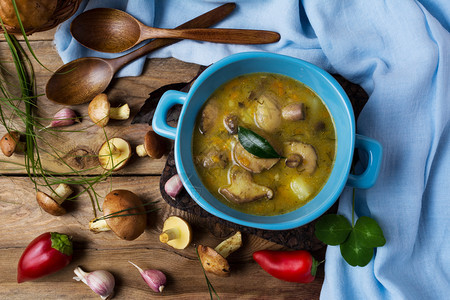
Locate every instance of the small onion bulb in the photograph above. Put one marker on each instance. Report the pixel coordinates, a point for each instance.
(101, 282)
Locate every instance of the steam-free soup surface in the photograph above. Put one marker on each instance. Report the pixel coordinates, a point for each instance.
(290, 117)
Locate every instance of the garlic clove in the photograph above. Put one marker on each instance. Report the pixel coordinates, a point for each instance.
(173, 186)
(64, 117)
(101, 282)
(155, 279)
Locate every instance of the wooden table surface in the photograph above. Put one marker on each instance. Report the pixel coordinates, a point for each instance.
(22, 219)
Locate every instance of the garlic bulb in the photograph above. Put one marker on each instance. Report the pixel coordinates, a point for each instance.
(101, 282)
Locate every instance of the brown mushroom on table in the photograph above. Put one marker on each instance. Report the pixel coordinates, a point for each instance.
(306, 151)
(10, 143)
(251, 162)
(124, 214)
(176, 233)
(100, 111)
(242, 188)
(114, 154)
(215, 260)
(154, 145)
(52, 203)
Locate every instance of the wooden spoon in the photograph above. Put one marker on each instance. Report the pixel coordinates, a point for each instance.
(113, 30)
(79, 81)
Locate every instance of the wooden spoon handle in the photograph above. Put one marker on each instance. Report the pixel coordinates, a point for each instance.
(215, 35)
(203, 21)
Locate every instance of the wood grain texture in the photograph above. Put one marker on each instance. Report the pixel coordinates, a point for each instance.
(22, 219)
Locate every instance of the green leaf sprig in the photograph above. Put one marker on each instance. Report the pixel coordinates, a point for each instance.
(256, 144)
(357, 240)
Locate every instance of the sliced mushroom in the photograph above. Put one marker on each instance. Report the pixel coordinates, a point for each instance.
(212, 158)
(268, 113)
(209, 117)
(52, 203)
(10, 143)
(242, 188)
(127, 227)
(249, 161)
(231, 123)
(293, 160)
(154, 145)
(306, 151)
(293, 112)
(215, 260)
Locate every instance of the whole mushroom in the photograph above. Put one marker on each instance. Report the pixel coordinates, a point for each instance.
(154, 145)
(215, 260)
(114, 154)
(52, 203)
(10, 143)
(124, 214)
(176, 233)
(100, 111)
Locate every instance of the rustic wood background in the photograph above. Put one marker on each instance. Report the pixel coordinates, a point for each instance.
(22, 219)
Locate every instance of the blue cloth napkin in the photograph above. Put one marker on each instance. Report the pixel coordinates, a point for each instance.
(399, 52)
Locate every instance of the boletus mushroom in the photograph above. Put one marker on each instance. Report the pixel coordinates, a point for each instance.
(242, 188)
(176, 233)
(306, 151)
(100, 111)
(251, 162)
(10, 143)
(268, 113)
(124, 214)
(52, 203)
(215, 260)
(114, 154)
(154, 145)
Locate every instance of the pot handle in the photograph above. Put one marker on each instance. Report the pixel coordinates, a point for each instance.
(167, 101)
(375, 152)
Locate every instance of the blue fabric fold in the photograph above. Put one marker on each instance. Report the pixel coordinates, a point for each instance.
(399, 52)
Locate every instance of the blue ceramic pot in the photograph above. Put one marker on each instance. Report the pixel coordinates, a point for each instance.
(317, 79)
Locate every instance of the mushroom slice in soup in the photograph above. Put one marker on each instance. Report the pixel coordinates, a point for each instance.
(306, 151)
(268, 113)
(249, 161)
(212, 158)
(209, 117)
(242, 188)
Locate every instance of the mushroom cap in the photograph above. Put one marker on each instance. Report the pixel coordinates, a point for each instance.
(126, 227)
(49, 205)
(154, 144)
(98, 110)
(183, 229)
(8, 143)
(213, 262)
(119, 159)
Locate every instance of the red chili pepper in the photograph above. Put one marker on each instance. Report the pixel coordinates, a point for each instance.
(46, 254)
(292, 266)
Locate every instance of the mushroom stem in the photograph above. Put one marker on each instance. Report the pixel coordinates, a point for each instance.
(97, 226)
(169, 234)
(140, 151)
(229, 245)
(61, 193)
(119, 113)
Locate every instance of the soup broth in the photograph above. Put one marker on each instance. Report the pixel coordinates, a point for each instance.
(290, 117)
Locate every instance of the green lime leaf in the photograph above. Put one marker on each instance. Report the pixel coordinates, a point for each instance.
(333, 229)
(256, 144)
(369, 233)
(354, 253)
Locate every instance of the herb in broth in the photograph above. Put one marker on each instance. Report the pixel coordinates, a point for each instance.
(289, 117)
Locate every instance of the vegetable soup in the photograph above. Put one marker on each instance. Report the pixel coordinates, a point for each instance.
(264, 144)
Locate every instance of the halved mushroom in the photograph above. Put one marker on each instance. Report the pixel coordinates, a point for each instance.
(52, 203)
(10, 143)
(176, 233)
(242, 188)
(209, 117)
(100, 111)
(124, 214)
(154, 145)
(214, 260)
(293, 112)
(268, 113)
(251, 162)
(306, 151)
(114, 154)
